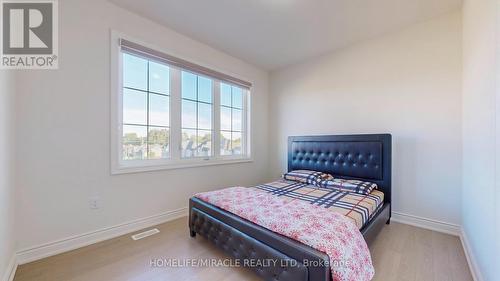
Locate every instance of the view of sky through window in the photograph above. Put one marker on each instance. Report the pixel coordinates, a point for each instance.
(231, 115)
(146, 109)
(146, 97)
(196, 92)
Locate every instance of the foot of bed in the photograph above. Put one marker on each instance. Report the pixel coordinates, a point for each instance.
(388, 221)
(192, 233)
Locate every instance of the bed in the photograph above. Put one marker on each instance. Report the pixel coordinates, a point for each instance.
(362, 157)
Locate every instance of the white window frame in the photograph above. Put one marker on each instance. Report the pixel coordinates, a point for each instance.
(120, 166)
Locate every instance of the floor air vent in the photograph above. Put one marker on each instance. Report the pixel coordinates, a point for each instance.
(145, 234)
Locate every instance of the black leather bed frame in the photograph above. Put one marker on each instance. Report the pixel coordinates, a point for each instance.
(366, 157)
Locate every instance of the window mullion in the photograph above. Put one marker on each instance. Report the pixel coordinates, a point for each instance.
(216, 118)
(175, 113)
(245, 124)
(232, 143)
(197, 118)
(147, 114)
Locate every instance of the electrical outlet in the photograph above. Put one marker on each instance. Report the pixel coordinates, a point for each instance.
(94, 203)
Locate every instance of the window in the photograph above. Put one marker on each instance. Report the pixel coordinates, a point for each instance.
(171, 113)
(146, 107)
(197, 107)
(231, 119)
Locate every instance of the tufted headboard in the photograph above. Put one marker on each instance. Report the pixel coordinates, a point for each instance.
(365, 157)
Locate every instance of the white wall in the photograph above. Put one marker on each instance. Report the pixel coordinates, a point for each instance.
(480, 133)
(7, 191)
(406, 83)
(63, 130)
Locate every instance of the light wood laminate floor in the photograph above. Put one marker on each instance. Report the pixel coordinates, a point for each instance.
(400, 252)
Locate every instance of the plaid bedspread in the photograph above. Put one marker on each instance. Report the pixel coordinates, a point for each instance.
(357, 207)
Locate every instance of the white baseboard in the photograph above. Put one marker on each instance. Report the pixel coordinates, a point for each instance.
(10, 272)
(78, 241)
(474, 268)
(439, 226)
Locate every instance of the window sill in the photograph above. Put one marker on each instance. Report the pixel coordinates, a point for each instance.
(127, 169)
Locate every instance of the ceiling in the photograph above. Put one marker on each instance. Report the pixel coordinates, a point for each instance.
(276, 33)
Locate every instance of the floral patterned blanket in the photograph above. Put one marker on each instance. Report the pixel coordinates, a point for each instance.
(328, 232)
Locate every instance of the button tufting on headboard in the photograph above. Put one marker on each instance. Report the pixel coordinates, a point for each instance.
(359, 159)
(365, 157)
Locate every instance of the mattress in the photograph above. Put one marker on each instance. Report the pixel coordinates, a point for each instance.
(358, 207)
